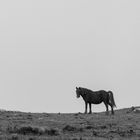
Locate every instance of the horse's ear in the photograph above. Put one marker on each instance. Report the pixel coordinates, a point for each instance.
(76, 87)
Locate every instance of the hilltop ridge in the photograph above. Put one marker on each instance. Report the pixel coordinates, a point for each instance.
(124, 124)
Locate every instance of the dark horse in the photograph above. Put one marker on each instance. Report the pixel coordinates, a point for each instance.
(96, 97)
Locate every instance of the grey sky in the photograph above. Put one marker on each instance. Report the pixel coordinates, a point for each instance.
(47, 48)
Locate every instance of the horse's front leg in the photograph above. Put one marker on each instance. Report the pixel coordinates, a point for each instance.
(86, 104)
(90, 111)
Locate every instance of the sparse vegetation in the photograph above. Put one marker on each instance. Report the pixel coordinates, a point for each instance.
(70, 128)
(124, 124)
(32, 130)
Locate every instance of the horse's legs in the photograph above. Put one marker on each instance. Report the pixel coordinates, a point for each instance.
(86, 107)
(106, 108)
(112, 111)
(90, 111)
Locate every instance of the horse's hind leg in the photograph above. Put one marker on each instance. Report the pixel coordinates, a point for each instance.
(106, 105)
(112, 111)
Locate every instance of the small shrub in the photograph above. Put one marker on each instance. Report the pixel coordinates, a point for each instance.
(28, 130)
(72, 128)
(52, 132)
(95, 133)
(69, 128)
(32, 130)
(89, 127)
(103, 127)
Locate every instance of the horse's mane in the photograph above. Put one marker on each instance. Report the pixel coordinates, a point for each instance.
(85, 89)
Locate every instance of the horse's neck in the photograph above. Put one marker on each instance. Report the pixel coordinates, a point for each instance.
(83, 94)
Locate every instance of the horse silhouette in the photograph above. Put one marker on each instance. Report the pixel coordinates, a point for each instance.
(96, 97)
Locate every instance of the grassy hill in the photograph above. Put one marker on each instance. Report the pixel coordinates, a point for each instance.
(125, 124)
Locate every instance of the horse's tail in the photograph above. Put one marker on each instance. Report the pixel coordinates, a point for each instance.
(111, 97)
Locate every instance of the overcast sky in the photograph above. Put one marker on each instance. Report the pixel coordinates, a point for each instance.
(47, 48)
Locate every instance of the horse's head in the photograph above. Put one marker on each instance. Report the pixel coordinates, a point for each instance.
(78, 92)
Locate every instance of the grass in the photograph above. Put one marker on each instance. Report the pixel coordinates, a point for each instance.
(32, 130)
(124, 124)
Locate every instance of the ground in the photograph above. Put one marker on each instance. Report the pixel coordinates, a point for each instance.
(124, 125)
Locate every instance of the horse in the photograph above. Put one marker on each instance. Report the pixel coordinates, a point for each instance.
(96, 97)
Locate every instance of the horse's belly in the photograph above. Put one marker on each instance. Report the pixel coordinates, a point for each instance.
(96, 102)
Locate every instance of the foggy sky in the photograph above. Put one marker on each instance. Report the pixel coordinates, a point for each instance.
(47, 48)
